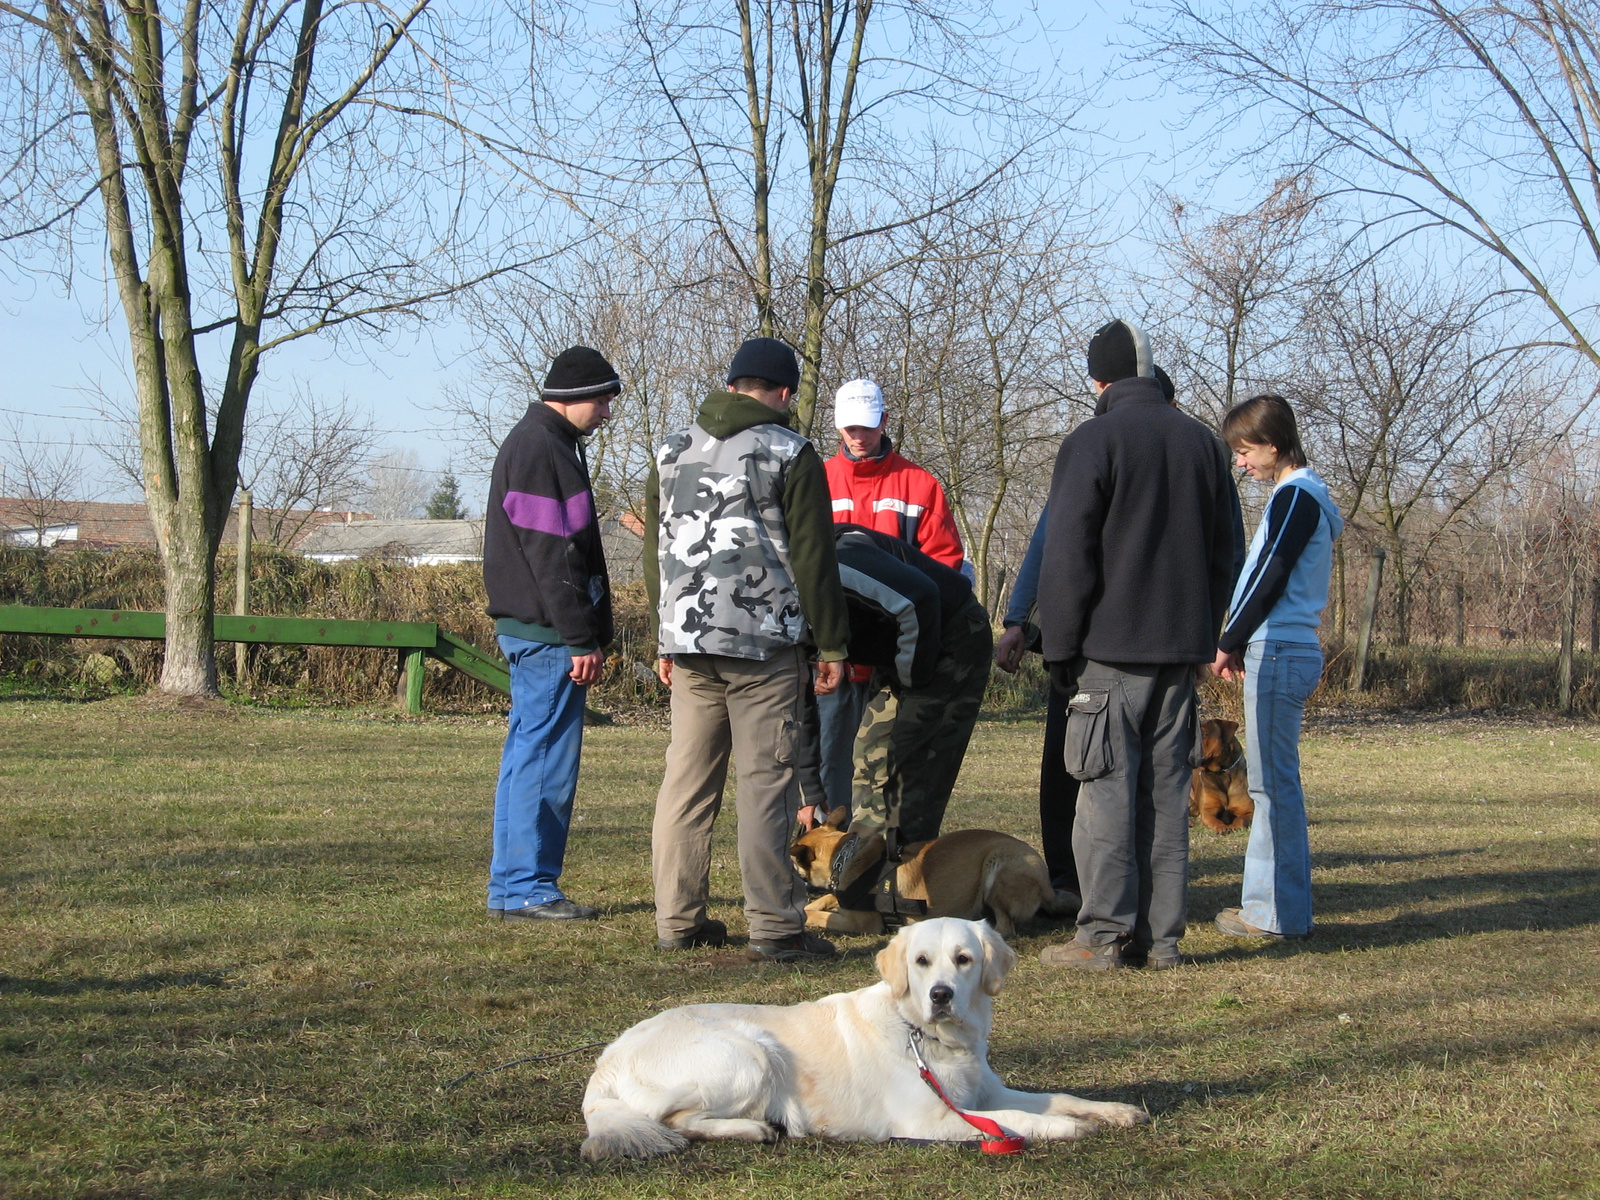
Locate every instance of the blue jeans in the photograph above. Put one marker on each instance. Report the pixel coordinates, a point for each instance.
(839, 715)
(1278, 679)
(538, 775)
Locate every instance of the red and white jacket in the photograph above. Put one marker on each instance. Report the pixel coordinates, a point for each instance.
(893, 495)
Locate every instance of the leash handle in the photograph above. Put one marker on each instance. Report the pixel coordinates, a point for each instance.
(995, 1139)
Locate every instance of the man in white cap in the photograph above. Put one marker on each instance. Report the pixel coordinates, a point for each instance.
(874, 485)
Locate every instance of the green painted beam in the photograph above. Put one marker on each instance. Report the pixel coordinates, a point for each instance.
(469, 660)
(411, 638)
(82, 622)
(308, 631)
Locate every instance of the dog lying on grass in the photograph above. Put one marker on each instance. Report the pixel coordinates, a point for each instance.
(839, 1067)
(1219, 792)
(970, 874)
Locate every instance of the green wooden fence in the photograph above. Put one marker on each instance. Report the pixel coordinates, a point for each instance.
(412, 640)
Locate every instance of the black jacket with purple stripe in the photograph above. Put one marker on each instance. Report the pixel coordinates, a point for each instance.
(543, 564)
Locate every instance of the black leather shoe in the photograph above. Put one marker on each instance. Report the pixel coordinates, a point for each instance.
(556, 910)
(709, 932)
(802, 947)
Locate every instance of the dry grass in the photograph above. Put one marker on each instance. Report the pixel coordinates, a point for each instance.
(1401, 678)
(243, 951)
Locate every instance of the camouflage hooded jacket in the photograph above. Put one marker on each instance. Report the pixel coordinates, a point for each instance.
(739, 553)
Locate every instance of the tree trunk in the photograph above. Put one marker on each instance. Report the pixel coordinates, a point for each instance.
(190, 667)
(1569, 630)
(1369, 613)
(1341, 609)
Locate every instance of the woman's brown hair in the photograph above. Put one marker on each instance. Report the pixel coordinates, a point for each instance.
(1265, 421)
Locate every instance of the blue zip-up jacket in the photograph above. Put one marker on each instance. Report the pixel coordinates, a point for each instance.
(1284, 586)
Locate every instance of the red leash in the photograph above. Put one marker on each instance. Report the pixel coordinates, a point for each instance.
(995, 1140)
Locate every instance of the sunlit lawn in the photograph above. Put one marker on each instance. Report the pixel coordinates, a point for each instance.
(242, 954)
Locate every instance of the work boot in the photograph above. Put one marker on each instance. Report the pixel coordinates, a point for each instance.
(1234, 925)
(709, 932)
(799, 947)
(1085, 958)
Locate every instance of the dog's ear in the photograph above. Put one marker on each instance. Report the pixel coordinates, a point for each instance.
(998, 959)
(1229, 728)
(892, 965)
(803, 855)
(836, 818)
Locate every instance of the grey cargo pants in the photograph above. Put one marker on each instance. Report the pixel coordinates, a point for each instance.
(1130, 736)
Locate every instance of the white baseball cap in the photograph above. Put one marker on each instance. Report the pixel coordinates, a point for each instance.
(859, 402)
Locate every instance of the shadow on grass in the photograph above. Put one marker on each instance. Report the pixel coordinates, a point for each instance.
(1324, 860)
(1541, 901)
(13, 985)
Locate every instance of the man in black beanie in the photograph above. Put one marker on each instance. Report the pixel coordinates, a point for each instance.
(545, 573)
(1133, 588)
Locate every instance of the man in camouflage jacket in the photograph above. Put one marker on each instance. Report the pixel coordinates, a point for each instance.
(740, 567)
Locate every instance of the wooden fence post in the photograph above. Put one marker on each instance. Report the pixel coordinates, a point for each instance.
(1461, 611)
(1369, 613)
(1569, 635)
(241, 588)
(416, 668)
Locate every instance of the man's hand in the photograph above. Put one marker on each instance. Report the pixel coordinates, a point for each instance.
(664, 671)
(1229, 665)
(586, 668)
(1009, 649)
(829, 676)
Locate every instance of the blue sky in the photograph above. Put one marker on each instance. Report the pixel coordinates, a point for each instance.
(60, 348)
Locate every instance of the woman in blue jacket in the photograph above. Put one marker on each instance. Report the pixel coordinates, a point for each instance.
(1271, 638)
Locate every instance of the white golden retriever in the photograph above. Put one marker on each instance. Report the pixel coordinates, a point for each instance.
(839, 1067)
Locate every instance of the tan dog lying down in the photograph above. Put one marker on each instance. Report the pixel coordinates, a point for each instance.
(970, 874)
(838, 1067)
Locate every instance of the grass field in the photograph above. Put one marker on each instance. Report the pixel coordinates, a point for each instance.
(243, 954)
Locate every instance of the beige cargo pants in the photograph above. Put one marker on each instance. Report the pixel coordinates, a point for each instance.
(755, 711)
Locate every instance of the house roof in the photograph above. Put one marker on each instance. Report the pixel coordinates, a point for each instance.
(117, 526)
(401, 539)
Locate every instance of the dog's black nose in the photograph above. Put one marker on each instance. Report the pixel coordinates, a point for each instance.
(941, 993)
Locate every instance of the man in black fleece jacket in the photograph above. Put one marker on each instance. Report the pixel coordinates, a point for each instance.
(545, 572)
(1138, 564)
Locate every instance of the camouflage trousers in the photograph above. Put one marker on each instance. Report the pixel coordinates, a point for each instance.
(911, 741)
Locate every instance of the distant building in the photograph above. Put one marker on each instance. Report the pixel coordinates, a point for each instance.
(327, 537)
(430, 543)
(67, 524)
(418, 543)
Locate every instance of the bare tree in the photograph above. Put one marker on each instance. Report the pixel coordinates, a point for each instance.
(658, 306)
(981, 346)
(44, 483)
(816, 108)
(397, 486)
(253, 173)
(1413, 405)
(1480, 121)
(307, 454)
(1234, 287)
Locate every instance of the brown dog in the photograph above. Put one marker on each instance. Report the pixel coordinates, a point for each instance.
(1219, 793)
(968, 874)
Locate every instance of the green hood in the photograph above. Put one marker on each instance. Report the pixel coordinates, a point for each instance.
(727, 413)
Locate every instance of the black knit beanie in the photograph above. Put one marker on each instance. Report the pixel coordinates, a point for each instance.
(1119, 350)
(580, 374)
(1168, 388)
(766, 358)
